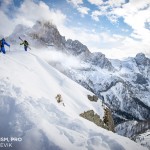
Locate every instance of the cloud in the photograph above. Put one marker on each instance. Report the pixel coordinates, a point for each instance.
(117, 46)
(28, 14)
(115, 3)
(7, 2)
(79, 33)
(95, 15)
(75, 2)
(83, 10)
(58, 59)
(6, 26)
(78, 5)
(109, 3)
(135, 14)
(96, 2)
(32, 11)
(105, 9)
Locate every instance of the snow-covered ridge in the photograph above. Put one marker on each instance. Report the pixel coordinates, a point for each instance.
(28, 109)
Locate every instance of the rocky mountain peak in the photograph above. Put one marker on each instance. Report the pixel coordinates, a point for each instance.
(141, 59)
(99, 59)
(48, 34)
(76, 47)
(44, 34)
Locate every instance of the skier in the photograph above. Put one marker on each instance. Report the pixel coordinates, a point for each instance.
(26, 44)
(2, 43)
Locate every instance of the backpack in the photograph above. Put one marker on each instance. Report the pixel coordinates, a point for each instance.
(26, 43)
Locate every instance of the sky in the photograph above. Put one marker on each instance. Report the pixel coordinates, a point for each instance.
(117, 28)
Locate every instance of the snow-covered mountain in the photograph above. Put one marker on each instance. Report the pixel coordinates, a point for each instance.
(132, 128)
(123, 85)
(29, 88)
(137, 131)
(143, 139)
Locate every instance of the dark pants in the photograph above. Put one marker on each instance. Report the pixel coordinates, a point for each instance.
(25, 48)
(2, 50)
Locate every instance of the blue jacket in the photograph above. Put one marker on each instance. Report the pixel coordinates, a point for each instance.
(4, 43)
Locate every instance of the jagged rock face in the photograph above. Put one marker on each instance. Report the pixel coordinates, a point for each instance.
(143, 65)
(140, 79)
(76, 47)
(108, 120)
(99, 59)
(142, 60)
(95, 118)
(48, 34)
(93, 98)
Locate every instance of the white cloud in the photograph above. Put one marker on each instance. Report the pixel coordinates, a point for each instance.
(80, 34)
(115, 3)
(32, 11)
(4, 5)
(78, 5)
(6, 26)
(28, 14)
(83, 10)
(96, 2)
(135, 14)
(105, 8)
(111, 3)
(95, 15)
(126, 47)
(75, 2)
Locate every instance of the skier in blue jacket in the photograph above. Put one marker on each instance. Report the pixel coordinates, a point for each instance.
(3, 42)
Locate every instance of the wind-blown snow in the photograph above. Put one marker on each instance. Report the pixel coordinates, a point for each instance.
(28, 109)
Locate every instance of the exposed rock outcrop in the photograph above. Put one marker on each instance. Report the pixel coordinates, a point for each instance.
(93, 98)
(95, 118)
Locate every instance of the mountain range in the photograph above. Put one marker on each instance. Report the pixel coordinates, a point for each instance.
(123, 85)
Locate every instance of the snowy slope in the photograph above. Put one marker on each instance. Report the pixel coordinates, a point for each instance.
(28, 109)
